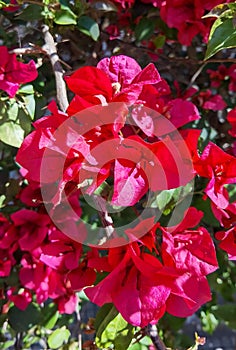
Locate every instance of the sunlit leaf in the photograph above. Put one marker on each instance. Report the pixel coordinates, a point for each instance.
(58, 338)
(222, 36)
(65, 16)
(11, 133)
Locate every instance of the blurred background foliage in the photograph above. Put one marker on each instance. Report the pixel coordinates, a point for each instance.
(84, 32)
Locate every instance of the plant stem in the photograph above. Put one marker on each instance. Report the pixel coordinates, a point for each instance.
(51, 50)
(152, 332)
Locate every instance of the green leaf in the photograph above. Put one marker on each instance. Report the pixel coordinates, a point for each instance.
(163, 198)
(2, 200)
(159, 41)
(143, 344)
(12, 110)
(26, 89)
(89, 27)
(11, 133)
(226, 313)
(58, 337)
(29, 103)
(217, 11)
(123, 340)
(21, 321)
(209, 322)
(222, 36)
(65, 16)
(49, 316)
(25, 120)
(205, 206)
(167, 200)
(104, 316)
(8, 344)
(31, 13)
(144, 29)
(117, 332)
(82, 296)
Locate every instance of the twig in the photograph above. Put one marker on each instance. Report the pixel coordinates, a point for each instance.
(51, 50)
(28, 51)
(152, 332)
(105, 218)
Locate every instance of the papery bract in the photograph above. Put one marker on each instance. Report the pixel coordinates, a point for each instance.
(228, 242)
(13, 72)
(220, 168)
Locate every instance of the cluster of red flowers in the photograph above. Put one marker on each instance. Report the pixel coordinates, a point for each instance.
(162, 269)
(221, 74)
(186, 17)
(183, 15)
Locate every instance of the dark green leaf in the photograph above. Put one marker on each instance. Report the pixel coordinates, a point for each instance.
(31, 13)
(226, 313)
(21, 321)
(104, 316)
(205, 206)
(123, 339)
(89, 27)
(144, 29)
(49, 316)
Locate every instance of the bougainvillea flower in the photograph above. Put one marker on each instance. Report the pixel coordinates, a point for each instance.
(211, 102)
(197, 292)
(90, 81)
(228, 242)
(60, 291)
(153, 287)
(118, 78)
(5, 263)
(148, 299)
(67, 303)
(32, 228)
(13, 72)
(231, 117)
(60, 253)
(232, 76)
(31, 152)
(81, 277)
(21, 298)
(174, 114)
(226, 216)
(115, 79)
(34, 275)
(217, 76)
(189, 249)
(220, 168)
